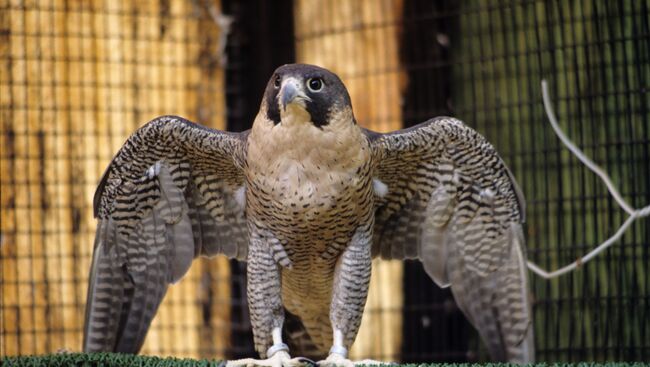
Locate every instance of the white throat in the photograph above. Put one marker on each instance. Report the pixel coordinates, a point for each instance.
(294, 115)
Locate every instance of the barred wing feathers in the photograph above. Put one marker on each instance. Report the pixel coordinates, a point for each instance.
(454, 205)
(166, 198)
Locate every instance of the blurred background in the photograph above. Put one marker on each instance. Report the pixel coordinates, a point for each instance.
(77, 77)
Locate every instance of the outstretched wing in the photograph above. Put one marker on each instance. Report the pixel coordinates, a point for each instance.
(454, 205)
(167, 197)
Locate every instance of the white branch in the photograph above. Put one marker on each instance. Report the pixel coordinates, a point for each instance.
(578, 153)
(634, 213)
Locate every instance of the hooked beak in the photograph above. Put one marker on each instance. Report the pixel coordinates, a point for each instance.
(292, 92)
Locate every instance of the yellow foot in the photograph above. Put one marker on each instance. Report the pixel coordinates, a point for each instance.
(279, 359)
(337, 360)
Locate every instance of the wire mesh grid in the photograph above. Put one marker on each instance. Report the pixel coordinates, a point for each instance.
(77, 78)
(483, 63)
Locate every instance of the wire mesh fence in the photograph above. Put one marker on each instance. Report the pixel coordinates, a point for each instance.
(77, 77)
(483, 63)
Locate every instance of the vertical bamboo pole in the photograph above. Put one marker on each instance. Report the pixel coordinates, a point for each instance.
(53, 147)
(63, 220)
(358, 40)
(80, 52)
(9, 343)
(30, 147)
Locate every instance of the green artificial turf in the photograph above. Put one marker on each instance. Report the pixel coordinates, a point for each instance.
(115, 359)
(104, 360)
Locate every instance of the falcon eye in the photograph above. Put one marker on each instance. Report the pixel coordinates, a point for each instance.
(315, 84)
(276, 82)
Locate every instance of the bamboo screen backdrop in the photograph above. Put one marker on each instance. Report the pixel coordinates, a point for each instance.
(77, 77)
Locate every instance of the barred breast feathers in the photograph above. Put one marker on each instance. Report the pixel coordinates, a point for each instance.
(304, 160)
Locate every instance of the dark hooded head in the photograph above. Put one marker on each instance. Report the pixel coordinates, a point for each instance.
(316, 90)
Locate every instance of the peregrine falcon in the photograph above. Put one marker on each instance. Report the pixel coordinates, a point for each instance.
(308, 198)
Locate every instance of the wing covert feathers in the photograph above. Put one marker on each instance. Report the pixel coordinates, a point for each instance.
(454, 205)
(166, 198)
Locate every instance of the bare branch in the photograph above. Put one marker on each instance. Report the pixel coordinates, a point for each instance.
(634, 214)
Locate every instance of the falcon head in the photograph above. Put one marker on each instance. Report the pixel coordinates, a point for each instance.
(301, 93)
